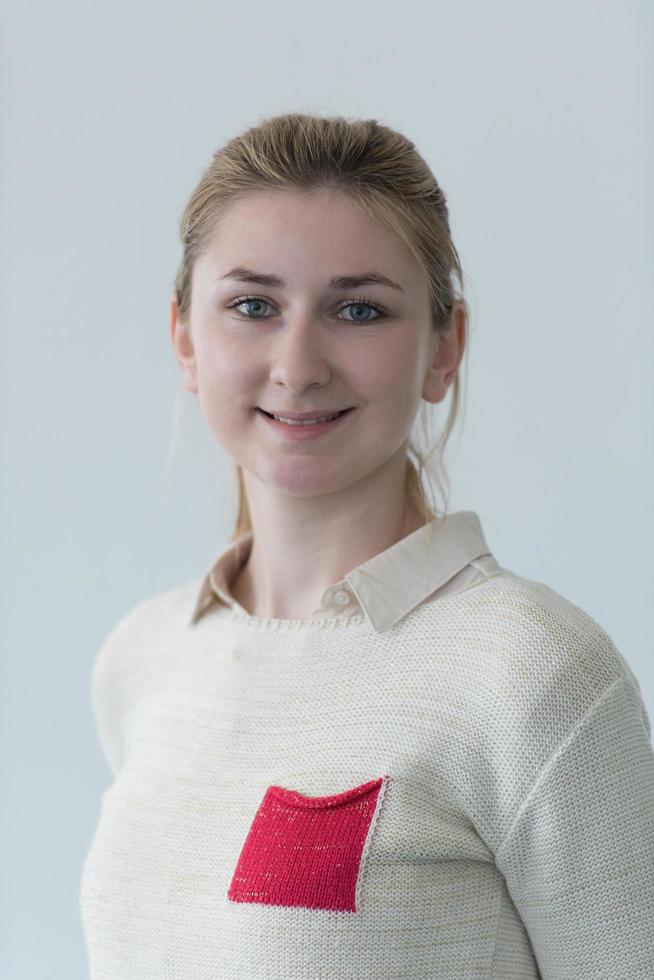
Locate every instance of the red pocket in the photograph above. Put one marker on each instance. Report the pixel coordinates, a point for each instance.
(307, 850)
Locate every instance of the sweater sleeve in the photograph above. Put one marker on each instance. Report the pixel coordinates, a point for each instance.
(578, 860)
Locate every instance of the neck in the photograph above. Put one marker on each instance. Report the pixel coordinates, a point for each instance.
(288, 570)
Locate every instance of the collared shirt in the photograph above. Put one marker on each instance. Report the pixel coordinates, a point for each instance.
(443, 556)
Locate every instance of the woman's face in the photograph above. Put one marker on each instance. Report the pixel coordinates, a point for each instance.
(305, 345)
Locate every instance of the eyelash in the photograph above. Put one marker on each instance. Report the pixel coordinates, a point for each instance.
(360, 301)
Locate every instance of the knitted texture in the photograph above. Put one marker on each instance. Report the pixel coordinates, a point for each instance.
(306, 850)
(468, 794)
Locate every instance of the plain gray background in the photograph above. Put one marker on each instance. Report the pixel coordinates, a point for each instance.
(536, 119)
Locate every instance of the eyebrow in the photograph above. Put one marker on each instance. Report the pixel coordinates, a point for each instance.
(337, 282)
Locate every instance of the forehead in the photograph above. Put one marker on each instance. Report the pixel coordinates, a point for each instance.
(304, 232)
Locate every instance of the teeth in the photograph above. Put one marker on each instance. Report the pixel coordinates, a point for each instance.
(324, 418)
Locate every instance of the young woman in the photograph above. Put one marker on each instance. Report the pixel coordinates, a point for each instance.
(358, 747)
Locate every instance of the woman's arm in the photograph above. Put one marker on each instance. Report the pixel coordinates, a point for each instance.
(579, 857)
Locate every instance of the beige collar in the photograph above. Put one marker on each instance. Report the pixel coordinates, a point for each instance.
(384, 588)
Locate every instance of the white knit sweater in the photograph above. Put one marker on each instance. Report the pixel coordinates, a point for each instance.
(461, 788)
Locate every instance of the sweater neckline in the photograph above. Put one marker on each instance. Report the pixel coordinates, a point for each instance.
(241, 616)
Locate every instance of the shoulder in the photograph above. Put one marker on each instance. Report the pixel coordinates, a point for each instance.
(529, 642)
(547, 696)
(135, 661)
(144, 629)
(168, 608)
(542, 663)
(557, 632)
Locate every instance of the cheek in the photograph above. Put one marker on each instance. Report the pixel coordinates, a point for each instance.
(226, 373)
(389, 380)
(222, 396)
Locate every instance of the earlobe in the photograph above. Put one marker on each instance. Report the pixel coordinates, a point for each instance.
(173, 317)
(453, 344)
(189, 373)
(183, 347)
(447, 356)
(190, 380)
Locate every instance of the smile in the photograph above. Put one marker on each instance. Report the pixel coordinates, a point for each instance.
(306, 429)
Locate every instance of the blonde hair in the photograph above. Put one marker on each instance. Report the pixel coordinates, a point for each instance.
(381, 171)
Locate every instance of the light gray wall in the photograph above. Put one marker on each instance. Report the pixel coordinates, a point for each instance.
(536, 119)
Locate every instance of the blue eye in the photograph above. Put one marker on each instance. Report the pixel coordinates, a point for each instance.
(365, 302)
(362, 301)
(241, 301)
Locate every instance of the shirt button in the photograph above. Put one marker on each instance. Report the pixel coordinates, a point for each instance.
(341, 596)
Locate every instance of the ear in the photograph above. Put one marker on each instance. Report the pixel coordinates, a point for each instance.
(447, 352)
(183, 347)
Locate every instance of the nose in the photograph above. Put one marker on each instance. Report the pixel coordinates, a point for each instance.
(300, 355)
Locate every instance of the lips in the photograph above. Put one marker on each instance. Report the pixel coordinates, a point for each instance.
(304, 418)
